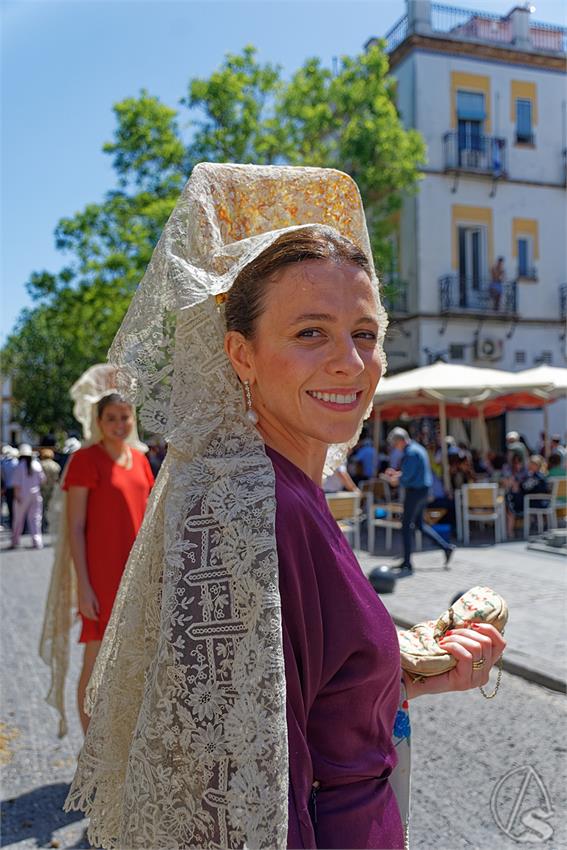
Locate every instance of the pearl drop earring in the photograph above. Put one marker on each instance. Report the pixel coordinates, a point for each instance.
(251, 414)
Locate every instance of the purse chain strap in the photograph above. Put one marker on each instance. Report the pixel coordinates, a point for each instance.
(498, 679)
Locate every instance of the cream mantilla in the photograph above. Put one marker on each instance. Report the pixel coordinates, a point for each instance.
(86, 392)
(187, 746)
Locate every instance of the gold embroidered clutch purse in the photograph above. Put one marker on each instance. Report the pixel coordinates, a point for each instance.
(420, 651)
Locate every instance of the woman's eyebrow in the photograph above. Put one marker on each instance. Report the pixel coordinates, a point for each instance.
(314, 317)
(327, 317)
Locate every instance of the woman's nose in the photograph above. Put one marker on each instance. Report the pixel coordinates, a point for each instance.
(345, 358)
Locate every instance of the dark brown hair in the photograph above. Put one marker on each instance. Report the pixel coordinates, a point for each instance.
(111, 398)
(245, 300)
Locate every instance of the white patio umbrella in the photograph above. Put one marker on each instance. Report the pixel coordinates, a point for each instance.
(462, 391)
(555, 379)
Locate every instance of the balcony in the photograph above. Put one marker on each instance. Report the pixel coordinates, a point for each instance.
(465, 296)
(513, 30)
(479, 154)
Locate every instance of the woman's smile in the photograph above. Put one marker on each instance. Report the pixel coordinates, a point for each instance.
(340, 400)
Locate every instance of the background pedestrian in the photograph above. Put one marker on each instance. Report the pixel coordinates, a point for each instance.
(28, 504)
(108, 485)
(8, 470)
(111, 480)
(52, 471)
(416, 479)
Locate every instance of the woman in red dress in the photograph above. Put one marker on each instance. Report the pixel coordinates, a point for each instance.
(108, 486)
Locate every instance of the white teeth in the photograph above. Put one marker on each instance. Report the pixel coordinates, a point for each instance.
(335, 398)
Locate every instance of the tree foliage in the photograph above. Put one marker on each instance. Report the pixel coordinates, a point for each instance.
(243, 112)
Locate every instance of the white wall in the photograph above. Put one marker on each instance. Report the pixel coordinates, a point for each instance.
(531, 339)
(433, 110)
(434, 233)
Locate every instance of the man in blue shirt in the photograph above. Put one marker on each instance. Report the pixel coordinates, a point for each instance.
(416, 479)
(367, 456)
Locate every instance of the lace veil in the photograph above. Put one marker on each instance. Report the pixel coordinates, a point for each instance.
(86, 392)
(187, 745)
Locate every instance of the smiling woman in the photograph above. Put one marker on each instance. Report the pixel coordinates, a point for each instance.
(302, 325)
(248, 685)
(107, 486)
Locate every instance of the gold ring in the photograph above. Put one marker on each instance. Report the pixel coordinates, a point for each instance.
(478, 664)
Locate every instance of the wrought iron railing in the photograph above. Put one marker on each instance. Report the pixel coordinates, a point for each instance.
(458, 293)
(548, 37)
(469, 23)
(563, 300)
(485, 154)
(397, 34)
(462, 23)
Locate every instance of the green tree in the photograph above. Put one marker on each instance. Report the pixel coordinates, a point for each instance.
(235, 116)
(80, 308)
(349, 120)
(244, 112)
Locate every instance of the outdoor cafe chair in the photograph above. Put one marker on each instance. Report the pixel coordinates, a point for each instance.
(390, 519)
(481, 503)
(345, 508)
(376, 489)
(549, 506)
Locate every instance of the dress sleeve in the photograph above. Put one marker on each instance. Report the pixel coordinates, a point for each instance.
(81, 471)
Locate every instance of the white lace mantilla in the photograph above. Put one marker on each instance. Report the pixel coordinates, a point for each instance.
(187, 745)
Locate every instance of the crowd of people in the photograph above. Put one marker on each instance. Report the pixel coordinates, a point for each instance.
(29, 477)
(519, 470)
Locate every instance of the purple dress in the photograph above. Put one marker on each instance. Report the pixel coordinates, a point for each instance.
(342, 662)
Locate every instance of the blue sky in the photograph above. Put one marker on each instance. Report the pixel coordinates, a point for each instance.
(65, 63)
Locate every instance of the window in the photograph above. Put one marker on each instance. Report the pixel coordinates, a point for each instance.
(456, 351)
(524, 132)
(546, 357)
(525, 247)
(470, 127)
(525, 257)
(520, 357)
(472, 262)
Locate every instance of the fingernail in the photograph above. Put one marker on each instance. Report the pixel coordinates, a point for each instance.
(474, 625)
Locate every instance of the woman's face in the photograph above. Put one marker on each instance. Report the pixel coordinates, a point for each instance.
(116, 422)
(315, 360)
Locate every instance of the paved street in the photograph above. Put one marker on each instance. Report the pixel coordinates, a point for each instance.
(533, 584)
(463, 745)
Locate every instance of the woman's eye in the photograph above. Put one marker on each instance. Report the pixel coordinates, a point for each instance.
(309, 333)
(370, 335)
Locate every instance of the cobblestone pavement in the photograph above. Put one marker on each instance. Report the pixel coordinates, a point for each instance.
(463, 745)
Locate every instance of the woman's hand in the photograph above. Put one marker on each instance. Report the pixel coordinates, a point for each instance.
(471, 645)
(88, 603)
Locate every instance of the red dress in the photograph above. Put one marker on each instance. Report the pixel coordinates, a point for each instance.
(115, 510)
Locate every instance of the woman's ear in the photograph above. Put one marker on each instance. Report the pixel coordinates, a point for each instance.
(238, 349)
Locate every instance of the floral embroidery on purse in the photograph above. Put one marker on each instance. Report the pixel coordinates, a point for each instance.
(420, 651)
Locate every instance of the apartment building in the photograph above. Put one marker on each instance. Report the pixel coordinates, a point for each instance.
(488, 94)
